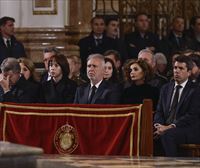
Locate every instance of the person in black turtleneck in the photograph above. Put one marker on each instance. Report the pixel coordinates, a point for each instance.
(60, 89)
(139, 73)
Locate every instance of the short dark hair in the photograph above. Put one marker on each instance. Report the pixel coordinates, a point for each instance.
(110, 19)
(140, 14)
(113, 52)
(185, 59)
(196, 59)
(4, 19)
(193, 21)
(97, 17)
(177, 17)
(61, 60)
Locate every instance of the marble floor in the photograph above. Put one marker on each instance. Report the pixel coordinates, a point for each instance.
(64, 161)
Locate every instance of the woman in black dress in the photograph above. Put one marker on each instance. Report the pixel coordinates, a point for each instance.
(60, 89)
(138, 74)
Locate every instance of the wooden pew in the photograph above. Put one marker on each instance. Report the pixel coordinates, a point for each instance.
(146, 143)
(191, 150)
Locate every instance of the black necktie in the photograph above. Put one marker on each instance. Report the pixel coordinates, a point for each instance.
(92, 94)
(98, 41)
(179, 41)
(172, 114)
(8, 44)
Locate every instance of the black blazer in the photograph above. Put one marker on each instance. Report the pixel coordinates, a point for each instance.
(61, 92)
(88, 46)
(183, 116)
(105, 94)
(17, 49)
(24, 91)
(134, 43)
(169, 45)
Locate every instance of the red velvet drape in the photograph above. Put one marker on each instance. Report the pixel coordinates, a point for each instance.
(75, 129)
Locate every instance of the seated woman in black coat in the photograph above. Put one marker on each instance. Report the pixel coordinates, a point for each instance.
(60, 89)
(139, 73)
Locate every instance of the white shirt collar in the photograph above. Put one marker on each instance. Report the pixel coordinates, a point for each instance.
(97, 85)
(182, 84)
(5, 40)
(99, 37)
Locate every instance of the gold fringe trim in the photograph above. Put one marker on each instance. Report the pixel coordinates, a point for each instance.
(69, 108)
(80, 115)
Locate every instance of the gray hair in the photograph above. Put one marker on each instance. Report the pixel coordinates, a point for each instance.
(51, 50)
(98, 56)
(160, 58)
(10, 64)
(148, 51)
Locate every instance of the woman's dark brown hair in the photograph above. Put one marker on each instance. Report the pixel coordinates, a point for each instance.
(61, 60)
(146, 68)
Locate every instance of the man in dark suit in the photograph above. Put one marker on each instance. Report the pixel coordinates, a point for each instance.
(9, 46)
(97, 91)
(141, 38)
(112, 31)
(175, 41)
(192, 34)
(96, 42)
(177, 118)
(15, 87)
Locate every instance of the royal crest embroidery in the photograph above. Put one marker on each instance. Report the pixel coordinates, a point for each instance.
(66, 139)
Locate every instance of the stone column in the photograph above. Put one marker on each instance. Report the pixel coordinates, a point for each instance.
(80, 12)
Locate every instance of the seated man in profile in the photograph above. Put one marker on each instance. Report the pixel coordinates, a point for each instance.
(15, 87)
(98, 91)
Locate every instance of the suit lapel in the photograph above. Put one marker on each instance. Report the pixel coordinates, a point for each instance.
(2, 42)
(169, 95)
(99, 92)
(86, 94)
(185, 92)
